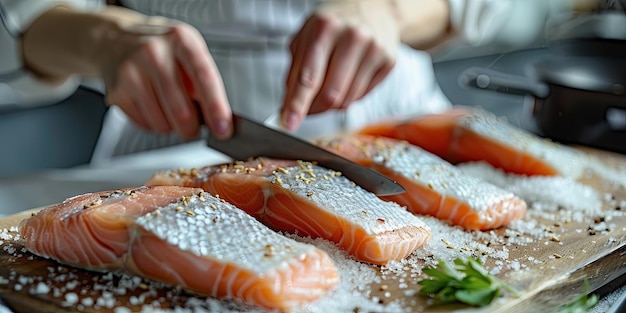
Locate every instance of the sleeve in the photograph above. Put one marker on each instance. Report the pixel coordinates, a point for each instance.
(509, 22)
(19, 87)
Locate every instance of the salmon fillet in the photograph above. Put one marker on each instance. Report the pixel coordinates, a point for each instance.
(310, 200)
(185, 237)
(434, 186)
(464, 135)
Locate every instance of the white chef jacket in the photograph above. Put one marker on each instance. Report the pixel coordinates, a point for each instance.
(248, 40)
(18, 87)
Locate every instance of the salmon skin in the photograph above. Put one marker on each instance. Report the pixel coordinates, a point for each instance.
(434, 186)
(466, 135)
(185, 237)
(310, 200)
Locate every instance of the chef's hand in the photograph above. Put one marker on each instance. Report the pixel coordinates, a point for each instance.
(343, 50)
(157, 70)
(164, 78)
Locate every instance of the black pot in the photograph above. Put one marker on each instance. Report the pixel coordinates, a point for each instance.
(577, 100)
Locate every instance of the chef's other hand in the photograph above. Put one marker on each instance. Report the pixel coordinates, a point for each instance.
(162, 75)
(343, 50)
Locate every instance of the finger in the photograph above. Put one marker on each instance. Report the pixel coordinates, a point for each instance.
(381, 73)
(341, 69)
(135, 113)
(293, 46)
(151, 109)
(198, 67)
(299, 42)
(307, 70)
(368, 67)
(135, 97)
(169, 88)
(129, 108)
(144, 99)
(290, 118)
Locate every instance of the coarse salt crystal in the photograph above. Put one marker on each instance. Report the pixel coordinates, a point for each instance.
(71, 298)
(515, 265)
(71, 285)
(88, 301)
(41, 288)
(24, 280)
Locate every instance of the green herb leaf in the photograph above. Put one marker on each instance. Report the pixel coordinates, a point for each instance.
(467, 281)
(431, 286)
(478, 297)
(582, 303)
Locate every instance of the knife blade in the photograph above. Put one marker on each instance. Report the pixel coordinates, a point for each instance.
(253, 139)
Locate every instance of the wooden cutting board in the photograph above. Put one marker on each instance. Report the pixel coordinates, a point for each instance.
(554, 279)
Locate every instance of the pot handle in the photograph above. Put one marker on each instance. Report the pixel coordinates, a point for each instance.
(483, 78)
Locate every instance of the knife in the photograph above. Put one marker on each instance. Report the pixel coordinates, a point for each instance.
(252, 139)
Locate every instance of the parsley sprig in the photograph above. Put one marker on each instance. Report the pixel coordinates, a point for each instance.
(465, 282)
(582, 303)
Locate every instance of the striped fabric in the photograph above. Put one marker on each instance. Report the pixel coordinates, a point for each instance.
(248, 40)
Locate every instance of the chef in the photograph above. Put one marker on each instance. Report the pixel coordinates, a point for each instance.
(319, 67)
